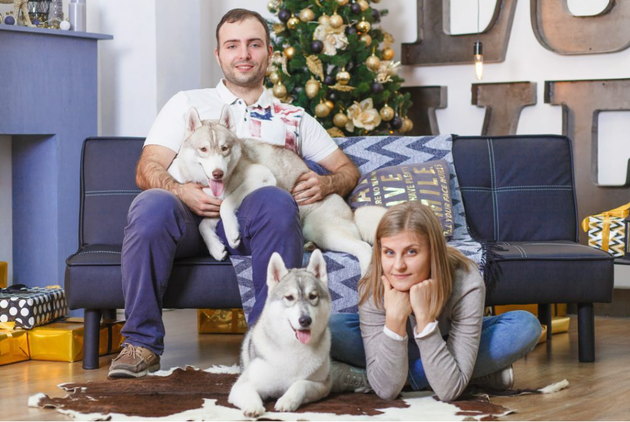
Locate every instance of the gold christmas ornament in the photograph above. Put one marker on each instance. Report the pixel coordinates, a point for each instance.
(274, 77)
(293, 22)
(373, 63)
(289, 52)
(273, 6)
(388, 54)
(336, 21)
(330, 104)
(387, 113)
(364, 4)
(363, 26)
(279, 90)
(324, 20)
(335, 132)
(322, 110)
(307, 15)
(278, 28)
(342, 3)
(340, 120)
(312, 88)
(407, 125)
(343, 77)
(367, 39)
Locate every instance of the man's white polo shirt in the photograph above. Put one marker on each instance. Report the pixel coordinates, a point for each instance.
(268, 120)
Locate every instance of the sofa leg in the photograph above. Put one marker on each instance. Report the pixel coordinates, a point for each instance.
(109, 314)
(586, 332)
(545, 317)
(91, 330)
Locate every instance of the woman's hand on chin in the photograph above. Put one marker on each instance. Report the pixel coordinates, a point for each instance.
(397, 308)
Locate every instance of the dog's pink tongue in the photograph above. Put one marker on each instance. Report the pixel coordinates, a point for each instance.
(303, 336)
(216, 186)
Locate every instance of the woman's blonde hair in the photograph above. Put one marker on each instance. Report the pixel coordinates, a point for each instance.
(420, 220)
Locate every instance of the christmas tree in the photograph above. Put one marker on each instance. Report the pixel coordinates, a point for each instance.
(331, 58)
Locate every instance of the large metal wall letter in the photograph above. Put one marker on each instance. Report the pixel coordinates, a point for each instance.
(504, 103)
(425, 100)
(435, 46)
(581, 103)
(558, 30)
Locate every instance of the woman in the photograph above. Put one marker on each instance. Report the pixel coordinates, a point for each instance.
(421, 318)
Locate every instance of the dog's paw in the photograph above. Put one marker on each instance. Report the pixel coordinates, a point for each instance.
(217, 251)
(287, 404)
(234, 240)
(253, 410)
(232, 231)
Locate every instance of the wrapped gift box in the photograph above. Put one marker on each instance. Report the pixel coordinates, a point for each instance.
(63, 341)
(4, 271)
(221, 321)
(13, 346)
(32, 306)
(607, 231)
(558, 325)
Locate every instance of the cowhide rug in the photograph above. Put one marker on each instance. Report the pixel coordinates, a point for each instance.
(193, 394)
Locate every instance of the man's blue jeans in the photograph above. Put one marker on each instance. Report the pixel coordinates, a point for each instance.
(504, 339)
(162, 228)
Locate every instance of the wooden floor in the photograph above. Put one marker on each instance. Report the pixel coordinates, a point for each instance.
(597, 391)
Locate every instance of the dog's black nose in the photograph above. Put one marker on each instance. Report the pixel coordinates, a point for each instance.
(305, 321)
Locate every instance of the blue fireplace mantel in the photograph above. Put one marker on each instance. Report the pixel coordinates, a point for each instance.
(48, 105)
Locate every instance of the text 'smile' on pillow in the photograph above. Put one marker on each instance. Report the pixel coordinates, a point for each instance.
(427, 183)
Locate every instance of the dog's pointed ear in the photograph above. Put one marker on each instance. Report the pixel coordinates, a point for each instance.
(276, 270)
(193, 121)
(317, 266)
(227, 118)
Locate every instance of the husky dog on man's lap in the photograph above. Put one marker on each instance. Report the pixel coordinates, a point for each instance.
(232, 168)
(285, 354)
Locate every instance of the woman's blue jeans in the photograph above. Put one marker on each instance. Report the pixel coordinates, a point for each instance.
(505, 339)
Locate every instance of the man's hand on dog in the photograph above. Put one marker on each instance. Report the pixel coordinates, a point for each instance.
(309, 188)
(198, 201)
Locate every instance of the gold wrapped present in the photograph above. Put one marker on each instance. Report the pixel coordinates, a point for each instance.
(558, 325)
(221, 321)
(4, 271)
(13, 346)
(63, 341)
(607, 231)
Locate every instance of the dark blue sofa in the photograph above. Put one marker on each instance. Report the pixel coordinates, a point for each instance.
(519, 196)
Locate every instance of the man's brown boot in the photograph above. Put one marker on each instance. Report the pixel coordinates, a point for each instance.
(134, 362)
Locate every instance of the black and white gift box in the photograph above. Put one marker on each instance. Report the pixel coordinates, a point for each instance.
(29, 307)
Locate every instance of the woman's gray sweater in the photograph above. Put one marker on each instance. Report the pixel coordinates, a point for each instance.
(448, 364)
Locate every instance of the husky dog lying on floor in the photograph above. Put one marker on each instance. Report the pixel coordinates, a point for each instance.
(285, 353)
(232, 168)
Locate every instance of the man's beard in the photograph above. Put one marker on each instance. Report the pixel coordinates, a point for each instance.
(251, 81)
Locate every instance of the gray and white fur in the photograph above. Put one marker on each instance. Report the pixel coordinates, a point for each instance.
(214, 156)
(285, 354)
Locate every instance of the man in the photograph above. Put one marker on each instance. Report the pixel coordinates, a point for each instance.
(163, 220)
